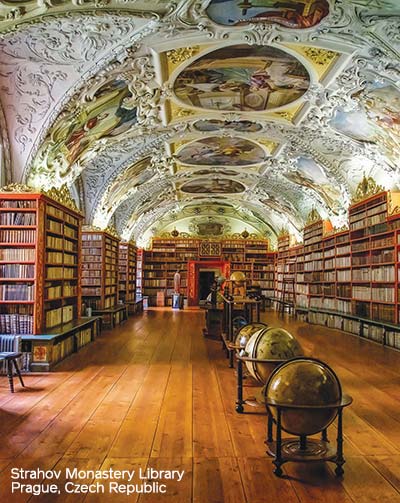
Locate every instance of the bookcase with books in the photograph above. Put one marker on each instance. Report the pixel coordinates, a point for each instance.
(39, 263)
(40, 270)
(168, 255)
(100, 281)
(351, 277)
(127, 273)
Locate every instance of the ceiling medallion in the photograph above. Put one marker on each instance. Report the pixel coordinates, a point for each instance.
(366, 188)
(174, 233)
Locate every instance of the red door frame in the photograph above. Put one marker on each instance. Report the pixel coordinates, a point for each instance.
(193, 276)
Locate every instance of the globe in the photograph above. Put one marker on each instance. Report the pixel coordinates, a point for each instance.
(273, 344)
(247, 331)
(304, 382)
(238, 277)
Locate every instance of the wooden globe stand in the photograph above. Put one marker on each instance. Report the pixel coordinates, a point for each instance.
(302, 448)
(240, 402)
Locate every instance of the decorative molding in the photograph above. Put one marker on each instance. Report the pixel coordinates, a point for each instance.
(63, 196)
(366, 188)
(19, 188)
(313, 217)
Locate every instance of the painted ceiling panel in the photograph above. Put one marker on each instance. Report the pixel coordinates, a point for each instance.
(262, 110)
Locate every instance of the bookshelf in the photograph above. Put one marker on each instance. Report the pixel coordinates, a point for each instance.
(39, 263)
(349, 279)
(127, 272)
(139, 273)
(100, 281)
(159, 264)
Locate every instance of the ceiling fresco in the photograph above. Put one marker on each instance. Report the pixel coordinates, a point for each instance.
(291, 14)
(221, 151)
(242, 78)
(162, 114)
(213, 186)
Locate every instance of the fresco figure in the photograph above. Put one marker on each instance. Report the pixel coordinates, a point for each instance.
(244, 78)
(298, 14)
(108, 114)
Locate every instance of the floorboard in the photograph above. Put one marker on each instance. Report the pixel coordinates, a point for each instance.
(154, 393)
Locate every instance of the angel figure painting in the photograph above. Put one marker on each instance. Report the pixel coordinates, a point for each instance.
(310, 174)
(298, 14)
(242, 78)
(108, 113)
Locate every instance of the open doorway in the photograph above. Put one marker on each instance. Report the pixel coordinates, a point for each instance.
(205, 281)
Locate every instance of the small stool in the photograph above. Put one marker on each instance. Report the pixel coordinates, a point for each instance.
(10, 359)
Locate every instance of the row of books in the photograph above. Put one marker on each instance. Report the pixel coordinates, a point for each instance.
(17, 218)
(54, 242)
(54, 226)
(17, 254)
(55, 212)
(17, 271)
(92, 237)
(55, 292)
(61, 258)
(91, 291)
(59, 315)
(95, 262)
(91, 273)
(16, 323)
(91, 281)
(83, 337)
(5, 203)
(91, 245)
(62, 349)
(20, 291)
(17, 236)
(70, 233)
(61, 272)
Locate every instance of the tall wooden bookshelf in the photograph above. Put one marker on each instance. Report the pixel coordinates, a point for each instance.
(127, 272)
(168, 255)
(350, 279)
(100, 280)
(39, 263)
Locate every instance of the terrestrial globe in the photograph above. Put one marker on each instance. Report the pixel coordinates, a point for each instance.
(310, 385)
(273, 344)
(247, 331)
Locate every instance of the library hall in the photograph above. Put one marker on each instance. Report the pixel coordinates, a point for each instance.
(200, 251)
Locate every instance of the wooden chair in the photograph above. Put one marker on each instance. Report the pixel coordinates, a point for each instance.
(10, 359)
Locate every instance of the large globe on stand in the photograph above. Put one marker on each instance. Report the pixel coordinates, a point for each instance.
(247, 331)
(304, 382)
(273, 344)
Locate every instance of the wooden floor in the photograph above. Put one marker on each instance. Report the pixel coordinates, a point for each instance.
(155, 393)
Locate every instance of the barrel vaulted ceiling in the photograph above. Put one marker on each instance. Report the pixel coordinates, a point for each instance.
(243, 114)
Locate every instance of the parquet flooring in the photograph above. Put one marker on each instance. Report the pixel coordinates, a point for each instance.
(155, 393)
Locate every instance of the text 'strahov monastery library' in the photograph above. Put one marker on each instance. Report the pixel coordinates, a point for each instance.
(200, 251)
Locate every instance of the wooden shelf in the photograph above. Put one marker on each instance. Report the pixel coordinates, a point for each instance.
(33, 316)
(106, 250)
